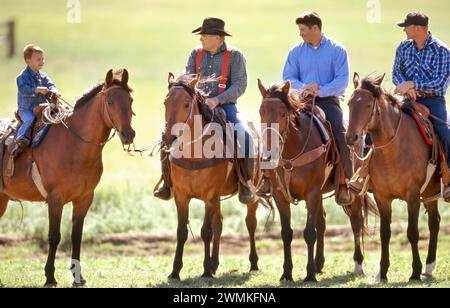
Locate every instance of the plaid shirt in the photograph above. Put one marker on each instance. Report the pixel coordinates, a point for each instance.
(27, 82)
(428, 68)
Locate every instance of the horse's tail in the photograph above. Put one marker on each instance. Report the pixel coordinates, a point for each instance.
(369, 207)
(268, 204)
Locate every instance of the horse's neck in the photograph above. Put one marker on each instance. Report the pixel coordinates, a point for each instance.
(88, 123)
(296, 138)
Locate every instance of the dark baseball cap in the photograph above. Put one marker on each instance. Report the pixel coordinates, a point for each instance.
(415, 18)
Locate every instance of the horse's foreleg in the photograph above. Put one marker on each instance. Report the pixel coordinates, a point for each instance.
(55, 208)
(182, 234)
(3, 204)
(357, 222)
(80, 209)
(413, 234)
(321, 228)
(207, 234)
(434, 220)
(385, 210)
(313, 202)
(217, 233)
(251, 223)
(284, 208)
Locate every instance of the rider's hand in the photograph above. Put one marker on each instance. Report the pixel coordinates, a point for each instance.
(212, 102)
(42, 90)
(404, 88)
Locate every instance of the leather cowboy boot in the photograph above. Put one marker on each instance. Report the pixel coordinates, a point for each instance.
(264, 189)
(246, 196)
(343, 196)
(164, 192)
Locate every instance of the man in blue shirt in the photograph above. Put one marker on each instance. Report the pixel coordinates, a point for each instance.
(33, 87)
(319, 66)
(422, 73)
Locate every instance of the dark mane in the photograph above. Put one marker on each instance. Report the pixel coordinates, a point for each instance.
(276, 91)
(90, 93)
(208, 114)
(368, 83)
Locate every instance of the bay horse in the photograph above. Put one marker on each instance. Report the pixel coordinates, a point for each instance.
(298, 135)
(208, 183)
(70, 163)
(397, 169)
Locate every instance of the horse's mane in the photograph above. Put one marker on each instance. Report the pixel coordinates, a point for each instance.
(184, 81)
(368, 83)
(291, 101)
(90, 93)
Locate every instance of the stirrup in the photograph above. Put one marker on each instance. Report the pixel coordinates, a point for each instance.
(359, 185)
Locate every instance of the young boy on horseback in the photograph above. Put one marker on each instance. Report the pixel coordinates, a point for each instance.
(34, 87)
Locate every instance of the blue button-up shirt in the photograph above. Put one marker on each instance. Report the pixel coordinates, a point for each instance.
(327, 65)
(428, 68)
(27, 82)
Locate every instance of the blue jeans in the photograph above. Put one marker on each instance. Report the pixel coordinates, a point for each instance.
(437, 108)
(241, 130)
(28, 118)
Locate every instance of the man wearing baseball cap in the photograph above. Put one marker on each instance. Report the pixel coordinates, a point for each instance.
(422, 73)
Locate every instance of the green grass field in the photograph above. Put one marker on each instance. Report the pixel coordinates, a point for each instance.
(151, 38)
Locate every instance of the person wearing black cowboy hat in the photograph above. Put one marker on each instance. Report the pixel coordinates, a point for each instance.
(208, 60)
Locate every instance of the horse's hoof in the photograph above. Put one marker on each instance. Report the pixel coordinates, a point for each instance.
(254, 268)
(415, 279)
(207, 276)
(50, 284)
(286, 277)
(310, 280)
(174, 277)
(359, 270)
(82, 284)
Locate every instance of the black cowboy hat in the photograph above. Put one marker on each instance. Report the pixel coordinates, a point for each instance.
(213, 26)
(414, 18)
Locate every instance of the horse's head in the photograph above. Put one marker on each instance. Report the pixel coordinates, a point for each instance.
(179, 103)
(364, 107)
(118, 110)
(276, 111)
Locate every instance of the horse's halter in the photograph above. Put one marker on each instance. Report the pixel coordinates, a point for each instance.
(105, 105)
(281, 137)
(376, 109)
(170, 147)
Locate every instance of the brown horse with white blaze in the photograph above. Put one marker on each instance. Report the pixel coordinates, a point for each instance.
(70, 162)
(299, 141)
(397, 169)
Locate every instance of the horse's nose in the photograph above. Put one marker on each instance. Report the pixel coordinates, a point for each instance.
(351, 139)
(128, 137)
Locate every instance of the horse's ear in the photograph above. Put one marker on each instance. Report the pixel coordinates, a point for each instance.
(125, 76)
(262, 88)
(171, 78)
(287, 87)
(379, 80)
(109, 77)
(356, 80)
(194, 82)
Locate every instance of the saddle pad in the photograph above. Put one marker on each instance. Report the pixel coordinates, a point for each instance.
(423, 125)
(322, 129)
(39, 135)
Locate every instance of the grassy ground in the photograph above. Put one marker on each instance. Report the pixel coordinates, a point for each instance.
(129, 264)
(151, 38)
